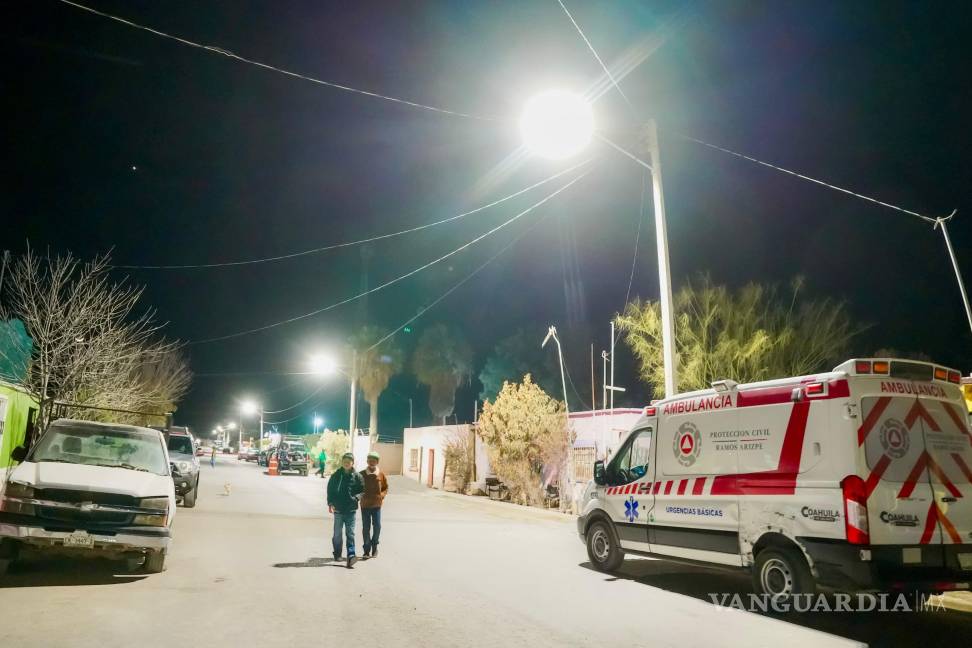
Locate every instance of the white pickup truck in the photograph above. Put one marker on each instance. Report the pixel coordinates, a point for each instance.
(89, 488)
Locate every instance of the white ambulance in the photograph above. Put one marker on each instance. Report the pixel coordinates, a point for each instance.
(858, 479)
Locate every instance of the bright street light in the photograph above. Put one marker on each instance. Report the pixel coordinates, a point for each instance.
(231, 425)
(318, 421)
(249, 408)
(557, 124)
(323, 365)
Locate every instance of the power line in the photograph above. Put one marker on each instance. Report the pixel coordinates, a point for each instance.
(298, 404)
(395, 280)
(809, 179)
(596, 56)
(372, 239)
(461, 282)
(228, 54)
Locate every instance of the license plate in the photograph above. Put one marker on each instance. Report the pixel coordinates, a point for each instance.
(79, 540)
(965, 560)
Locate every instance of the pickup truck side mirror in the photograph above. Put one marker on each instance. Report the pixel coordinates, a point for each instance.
(599, 474)
(18, 454)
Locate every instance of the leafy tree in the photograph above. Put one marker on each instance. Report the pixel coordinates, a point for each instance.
(514, 357)
(756, 333)
(524, 429)
(376, 366)
(443, 361)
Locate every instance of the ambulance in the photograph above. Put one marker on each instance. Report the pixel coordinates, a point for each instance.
(855, 480)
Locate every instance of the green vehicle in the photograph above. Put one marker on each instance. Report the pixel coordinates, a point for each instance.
(18, 414)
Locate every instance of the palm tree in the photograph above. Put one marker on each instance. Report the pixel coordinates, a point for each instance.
(443, 361)
(377, 363)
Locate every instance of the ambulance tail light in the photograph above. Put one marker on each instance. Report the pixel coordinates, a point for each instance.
(855, 510)
(954, 377)
(862, 367)
(881, 367)
(651, 411)
(941, 373)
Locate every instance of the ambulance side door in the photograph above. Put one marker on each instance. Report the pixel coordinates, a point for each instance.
(627, 492)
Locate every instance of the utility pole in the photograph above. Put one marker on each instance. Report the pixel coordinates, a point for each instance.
(604, 387)
(955, 266)
(411, 423)
(569, 491)
(353, 418)
(612, 366)
(593, 393)
(664, 268)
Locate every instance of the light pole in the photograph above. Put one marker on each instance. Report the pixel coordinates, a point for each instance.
(249, 408)
(325, 365)
(552, 333)
(556, 125)
(318, 422)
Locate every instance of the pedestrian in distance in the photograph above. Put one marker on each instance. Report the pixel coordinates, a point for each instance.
(375, 489)
(322, 463)
(212, 458)
(343, 490)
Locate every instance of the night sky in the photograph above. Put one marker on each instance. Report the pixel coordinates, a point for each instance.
(164, 154)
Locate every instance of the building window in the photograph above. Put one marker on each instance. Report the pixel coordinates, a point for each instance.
(583, 464)
(413, 459)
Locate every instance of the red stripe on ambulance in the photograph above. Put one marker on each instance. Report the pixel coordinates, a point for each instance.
(872, 418)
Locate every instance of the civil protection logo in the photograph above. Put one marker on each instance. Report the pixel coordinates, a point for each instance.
(894, 438)
(687, 444)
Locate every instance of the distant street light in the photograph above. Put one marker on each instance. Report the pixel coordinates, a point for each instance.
(318, 422)
(251, 408)
(557, 124)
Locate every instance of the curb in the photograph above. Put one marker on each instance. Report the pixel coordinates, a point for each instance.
(539, 512)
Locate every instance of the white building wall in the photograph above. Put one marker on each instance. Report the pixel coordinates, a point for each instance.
(424, 446)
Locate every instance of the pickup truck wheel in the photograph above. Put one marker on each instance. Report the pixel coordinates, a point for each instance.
(603, 548)
(782, 572)
(189, 499)
(154, 562)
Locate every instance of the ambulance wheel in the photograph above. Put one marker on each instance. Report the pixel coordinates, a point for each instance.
(603, 548)
(782, 572)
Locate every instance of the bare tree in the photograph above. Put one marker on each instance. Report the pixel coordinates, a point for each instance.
(90, 346)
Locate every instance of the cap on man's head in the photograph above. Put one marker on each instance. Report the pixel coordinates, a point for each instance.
(374, 455)
(347, 455)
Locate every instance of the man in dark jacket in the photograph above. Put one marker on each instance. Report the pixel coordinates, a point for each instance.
(343, 489)
(375, 489)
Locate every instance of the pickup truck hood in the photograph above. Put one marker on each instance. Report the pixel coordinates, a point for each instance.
(93, 478)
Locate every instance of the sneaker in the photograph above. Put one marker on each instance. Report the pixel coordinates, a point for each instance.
(374, 551)
(337, 557)
(367, 553)
(351, 561)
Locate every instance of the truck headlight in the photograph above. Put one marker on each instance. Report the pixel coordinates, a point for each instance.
(19, 489)
(160, 504)
(184, 466)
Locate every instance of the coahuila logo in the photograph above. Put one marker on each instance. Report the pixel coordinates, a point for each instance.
(894, 438)
(687, 444)
(820, 515)
(899, 519)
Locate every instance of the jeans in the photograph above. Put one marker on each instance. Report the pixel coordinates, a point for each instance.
(345, 521)
(371, 520)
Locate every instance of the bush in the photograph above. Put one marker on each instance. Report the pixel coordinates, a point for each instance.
(459, 460)
(524, 430)
(334, 444)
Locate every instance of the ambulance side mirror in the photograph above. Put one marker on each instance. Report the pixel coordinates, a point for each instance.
(18, 454)
(599, 475)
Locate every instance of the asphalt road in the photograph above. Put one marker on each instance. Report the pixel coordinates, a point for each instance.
(253, 568)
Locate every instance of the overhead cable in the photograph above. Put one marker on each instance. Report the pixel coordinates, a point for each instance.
(928, 219)
(229, 54)
(395, 280)
(372, 239)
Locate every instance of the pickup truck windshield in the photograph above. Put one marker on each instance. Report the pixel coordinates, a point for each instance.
(95, 445)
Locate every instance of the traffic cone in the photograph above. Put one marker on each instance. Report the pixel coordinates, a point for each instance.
(274, 466)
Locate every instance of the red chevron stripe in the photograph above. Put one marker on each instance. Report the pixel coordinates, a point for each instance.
(872, 418)
(698, 486)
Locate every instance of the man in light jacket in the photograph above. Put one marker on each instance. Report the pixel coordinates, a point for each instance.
(375, 489)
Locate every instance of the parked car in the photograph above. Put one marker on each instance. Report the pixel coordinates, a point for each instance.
(263, 457)
(184, 465)
(249, 453)
(203, 451)
(292, 457)
(90, 489)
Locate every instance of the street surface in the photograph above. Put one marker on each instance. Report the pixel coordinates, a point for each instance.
(253, 568)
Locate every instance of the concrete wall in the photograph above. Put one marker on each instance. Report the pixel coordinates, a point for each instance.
(603, 428)
(419, 443)
(391, 455)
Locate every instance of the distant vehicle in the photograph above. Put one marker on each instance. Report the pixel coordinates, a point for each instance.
(851, 479)
(249, 453)
(185, 466)
(263, 457)
(94, 489)
(202, 451)
(292, 457)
